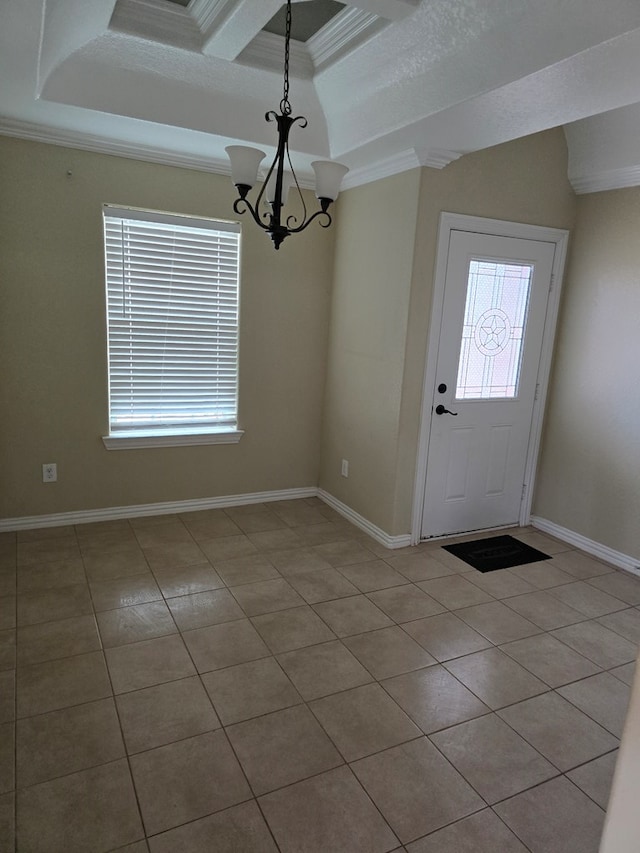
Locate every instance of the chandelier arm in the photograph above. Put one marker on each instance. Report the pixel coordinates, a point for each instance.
(252, 210)
(309, 221)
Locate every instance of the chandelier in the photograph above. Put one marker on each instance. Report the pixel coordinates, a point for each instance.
(245, 162)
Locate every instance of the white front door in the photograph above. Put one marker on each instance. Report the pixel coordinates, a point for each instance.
(493, 320)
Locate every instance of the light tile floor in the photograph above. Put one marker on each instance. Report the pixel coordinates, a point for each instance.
(268, 678)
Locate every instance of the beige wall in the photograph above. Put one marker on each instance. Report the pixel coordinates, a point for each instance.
(53, 395)
(375, 233)
(385, 256)
(589, 477)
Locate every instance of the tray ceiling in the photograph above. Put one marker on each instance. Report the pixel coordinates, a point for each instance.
(386, 85)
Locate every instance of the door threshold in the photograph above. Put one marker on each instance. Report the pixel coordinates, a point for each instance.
(468, 533)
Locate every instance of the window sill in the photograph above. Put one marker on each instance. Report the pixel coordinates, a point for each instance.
(135, 440)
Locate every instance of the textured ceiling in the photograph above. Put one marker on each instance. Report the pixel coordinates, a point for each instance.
(386, 85)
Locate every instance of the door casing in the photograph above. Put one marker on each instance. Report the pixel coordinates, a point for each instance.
(457, 222)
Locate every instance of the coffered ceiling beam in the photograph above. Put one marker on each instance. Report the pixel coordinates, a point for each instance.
(391, 10)
(238, 27)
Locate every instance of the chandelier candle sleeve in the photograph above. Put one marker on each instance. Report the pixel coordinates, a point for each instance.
(245, 162)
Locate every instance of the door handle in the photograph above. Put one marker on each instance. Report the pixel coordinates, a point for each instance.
(440, 410)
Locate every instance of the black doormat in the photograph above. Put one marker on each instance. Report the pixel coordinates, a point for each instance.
(498, 552)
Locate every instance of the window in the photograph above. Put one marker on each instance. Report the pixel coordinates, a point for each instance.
(172, 328)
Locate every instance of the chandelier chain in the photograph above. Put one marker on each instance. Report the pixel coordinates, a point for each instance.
(285, 106)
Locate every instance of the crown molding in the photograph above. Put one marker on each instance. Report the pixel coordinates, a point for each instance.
(401, 162)
(342, 34)
(611, 179)
(163, 22)
(438, 158)
(99, 145)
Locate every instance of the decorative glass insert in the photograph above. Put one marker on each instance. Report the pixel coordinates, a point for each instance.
(495, 317)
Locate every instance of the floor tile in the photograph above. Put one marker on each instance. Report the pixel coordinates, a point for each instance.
(93, 810)
(434, 699)
(587, 599)
(248, 569)
(388, 651)
(621, 585)
(317, 534)
(419, 566)
(206, 525)
(8, 582)
(544, 610)
(102, 567)
(8, 649)
(580, 565)
(555, 817)
(482, 832)
(625, 673)
(7, 758)
(7, 696)
(281, 748)
(124, 592)
(557, 729)
(47, 550)
(51, 575)
(296, 561)
(139, 665)
(50, 640)
(323, 669)
(541, 542)
(228, 547)
(404, 603)
(354, 615)
(187, 780)
(624, 622)
(328, 812)
(174, 533)
(66, 741)
(373, 575)
(7, 821)
(165, 713)
(133, 624)
(292, 629)
(249, 690)
(296, 516)
(448, 559)
(64, 532)
(542, 575)
(455, 591)
(61, 683)
(604, 647)
(225, 645)
(174, 554)
(34, 607)
(602, 697)
(187, 580)
(445, 636)
(8, 612)
(266, 596)
(280, 539)
(363, 720)
(497, 622)
(240, 829)
(258, 522)
(416, 789)
(323, 585)
(492, 757)
(204, 608)
(549, 659)
(495, 678)
(595, 778)
(500, 584)
(344, 552)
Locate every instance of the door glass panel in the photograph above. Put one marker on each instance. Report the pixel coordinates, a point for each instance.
(495, 317)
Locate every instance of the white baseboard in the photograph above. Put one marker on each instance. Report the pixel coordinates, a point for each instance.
(360, 521)
(602, 552)
(58, 519)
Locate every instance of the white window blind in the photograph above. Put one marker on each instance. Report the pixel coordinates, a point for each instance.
(172, 308)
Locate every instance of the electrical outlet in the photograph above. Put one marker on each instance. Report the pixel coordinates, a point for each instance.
(345, 468)
(49, 472)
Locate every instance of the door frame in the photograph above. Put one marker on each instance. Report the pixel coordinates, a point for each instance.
(493, 227)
